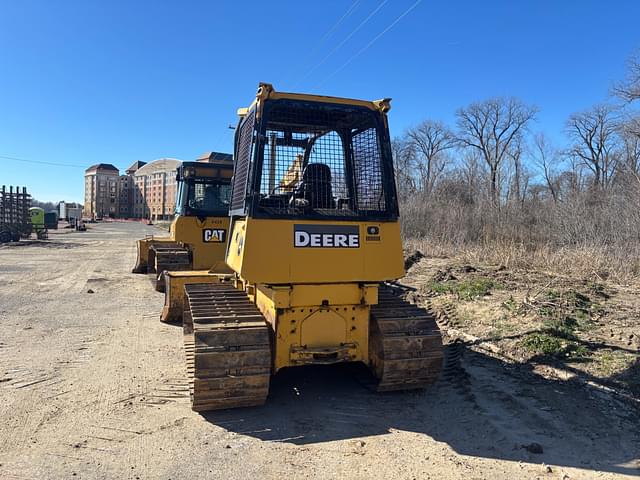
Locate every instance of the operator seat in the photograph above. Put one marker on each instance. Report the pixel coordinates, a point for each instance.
(211, 199)
(316, 186)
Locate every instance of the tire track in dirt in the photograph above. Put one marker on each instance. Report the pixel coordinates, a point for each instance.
(111, 429)
(81, 342)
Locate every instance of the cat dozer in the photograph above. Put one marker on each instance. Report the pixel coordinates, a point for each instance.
(315, 242)
(198, 234)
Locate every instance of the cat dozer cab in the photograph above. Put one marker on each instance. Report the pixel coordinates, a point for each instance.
(198, 234)
(314, 239)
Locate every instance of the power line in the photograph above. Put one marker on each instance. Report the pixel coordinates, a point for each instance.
(338, 23)
(328, 33)
(42, 162)
(337, 47)
(366, 47)
(223, 132)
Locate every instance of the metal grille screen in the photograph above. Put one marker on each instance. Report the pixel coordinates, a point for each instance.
(241, 173)
(321, 160)
(368, 174)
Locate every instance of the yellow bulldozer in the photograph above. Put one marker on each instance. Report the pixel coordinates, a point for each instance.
(314, 246)
(198, 234)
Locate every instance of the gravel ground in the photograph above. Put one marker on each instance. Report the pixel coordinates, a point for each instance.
(92, 385)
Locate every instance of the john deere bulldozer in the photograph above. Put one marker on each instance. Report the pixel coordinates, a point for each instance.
(198, 234)
(314, 240)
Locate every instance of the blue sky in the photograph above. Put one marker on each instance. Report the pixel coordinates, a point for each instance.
(83, 82)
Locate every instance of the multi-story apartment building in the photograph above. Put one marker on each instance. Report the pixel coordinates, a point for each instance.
(146, 190)
(125, 183)
(154, 190)
(126, 190)
(101, 191)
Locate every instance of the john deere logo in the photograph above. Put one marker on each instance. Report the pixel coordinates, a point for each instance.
(326, 236)
(213, 235)
(373, 233)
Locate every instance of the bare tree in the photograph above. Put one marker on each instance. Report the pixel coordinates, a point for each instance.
(547, 159)
(630, 153)
(594, 141)
(492, 127)
(631, 125)
(573, 179)
(519, 177)
(472, 172)
(431, 139)
(629, 89)
(403, 155)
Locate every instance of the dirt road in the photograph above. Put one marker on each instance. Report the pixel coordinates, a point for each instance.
(92, 385)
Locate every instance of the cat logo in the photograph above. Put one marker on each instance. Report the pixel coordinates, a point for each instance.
(213, 235)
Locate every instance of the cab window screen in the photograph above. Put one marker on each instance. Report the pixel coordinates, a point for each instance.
(368, 174)
(244, 153)
(285, 163)
(320, 161)
(209, 197)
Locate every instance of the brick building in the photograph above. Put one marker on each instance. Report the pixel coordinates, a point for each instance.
(125, 185)
(145, 190)
(155, 189)
(101, 191)
(126, 190)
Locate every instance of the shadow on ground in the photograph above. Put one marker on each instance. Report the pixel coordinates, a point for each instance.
(43, 243)
(627, 380)
(487, 409)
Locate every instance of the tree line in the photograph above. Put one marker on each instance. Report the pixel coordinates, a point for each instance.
(491, 181)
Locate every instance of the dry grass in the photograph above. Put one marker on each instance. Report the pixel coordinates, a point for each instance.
(617, 264)
(546, 307)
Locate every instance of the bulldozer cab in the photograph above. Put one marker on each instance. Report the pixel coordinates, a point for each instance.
(198, 234)
(314, 197)
(204, 189)
(304, 157)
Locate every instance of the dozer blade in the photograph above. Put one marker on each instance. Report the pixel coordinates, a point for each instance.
(227, 345)
(174, 295)
(141, 257)
(405, 344)
(167, 258)
(159, 248)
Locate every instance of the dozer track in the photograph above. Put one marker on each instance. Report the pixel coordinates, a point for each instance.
(227, 345)
(405, 344)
